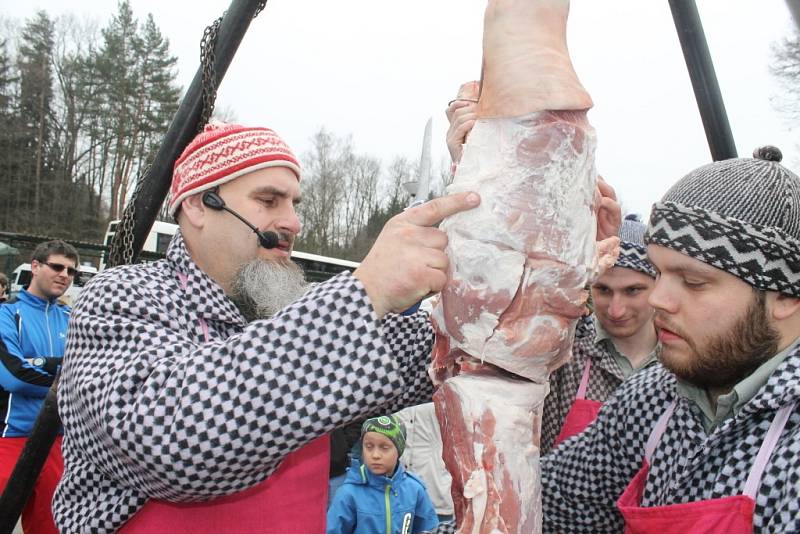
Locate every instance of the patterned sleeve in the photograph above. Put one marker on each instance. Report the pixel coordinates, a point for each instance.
(415, 332)
(783, 503)
(562, 393)
(553, 412)
(584, 476)
(183, 421)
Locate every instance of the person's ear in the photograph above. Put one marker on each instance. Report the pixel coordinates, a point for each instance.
(193, 212)
(783, 306)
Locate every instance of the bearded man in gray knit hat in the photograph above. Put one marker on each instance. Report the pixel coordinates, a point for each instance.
(710, 441)
(610, 345)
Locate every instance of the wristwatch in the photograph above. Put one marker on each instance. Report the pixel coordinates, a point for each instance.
(39, 361)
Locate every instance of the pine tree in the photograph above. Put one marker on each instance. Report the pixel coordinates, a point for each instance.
(35, 99)
(8, 153)
(116, 67)
(157, 95)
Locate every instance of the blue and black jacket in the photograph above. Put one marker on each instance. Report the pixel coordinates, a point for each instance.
(30, 327)
(371, 504)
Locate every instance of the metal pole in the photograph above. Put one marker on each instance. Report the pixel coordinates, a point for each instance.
(154, 190)
(704, 80)
(794, 9)
(26, 471)
(184, 125)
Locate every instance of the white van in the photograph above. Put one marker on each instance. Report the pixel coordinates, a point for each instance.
(22, 275)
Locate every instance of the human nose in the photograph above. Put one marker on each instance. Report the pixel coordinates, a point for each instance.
(661, 298)
(616, 308)
(290, 222)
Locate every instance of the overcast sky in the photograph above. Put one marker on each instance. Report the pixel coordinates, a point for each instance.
(378, 70)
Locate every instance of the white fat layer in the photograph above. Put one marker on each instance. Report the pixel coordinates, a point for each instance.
(533, 206)
(516, 405)
(522, 212)
(501, 281)
(502, 352)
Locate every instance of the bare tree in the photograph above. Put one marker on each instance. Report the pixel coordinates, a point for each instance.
(786, 68)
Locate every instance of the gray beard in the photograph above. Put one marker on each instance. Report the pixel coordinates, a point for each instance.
(262, 288)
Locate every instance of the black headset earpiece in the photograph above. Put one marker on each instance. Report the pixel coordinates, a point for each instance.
(212, 200)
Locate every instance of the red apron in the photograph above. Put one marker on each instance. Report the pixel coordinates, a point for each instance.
(726, 515)
(582, 412)
(293, 499)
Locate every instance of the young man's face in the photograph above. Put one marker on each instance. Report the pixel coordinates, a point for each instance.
(47, 282)
(379, 453)
(620, 302)
(714, 328)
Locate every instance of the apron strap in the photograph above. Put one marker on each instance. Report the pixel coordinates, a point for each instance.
(767, 447)
(183, 279)
(203, 325)
(587, 368)
(658, 431)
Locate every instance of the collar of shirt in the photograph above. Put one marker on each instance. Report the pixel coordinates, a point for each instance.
(730, 403)
(202, 293)
(604, 340)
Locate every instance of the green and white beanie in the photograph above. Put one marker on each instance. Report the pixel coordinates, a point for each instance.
(391, 427)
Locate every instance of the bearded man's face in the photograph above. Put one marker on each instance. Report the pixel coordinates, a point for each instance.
(714, 328)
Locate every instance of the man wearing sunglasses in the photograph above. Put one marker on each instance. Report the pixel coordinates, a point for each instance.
(33, 332)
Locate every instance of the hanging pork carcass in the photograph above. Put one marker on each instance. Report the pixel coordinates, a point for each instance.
(520, 264)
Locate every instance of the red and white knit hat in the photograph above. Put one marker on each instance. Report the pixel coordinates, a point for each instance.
(223, 152)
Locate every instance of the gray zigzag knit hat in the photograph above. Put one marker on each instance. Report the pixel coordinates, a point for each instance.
(632, 251)
(739, 215)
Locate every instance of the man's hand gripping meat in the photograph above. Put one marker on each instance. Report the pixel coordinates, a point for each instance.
(407, 261)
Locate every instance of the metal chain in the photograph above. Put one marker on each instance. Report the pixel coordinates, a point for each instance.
(207, 57)
(207, 44)
(121, 252)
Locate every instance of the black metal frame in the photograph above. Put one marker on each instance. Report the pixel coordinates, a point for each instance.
(704, 79)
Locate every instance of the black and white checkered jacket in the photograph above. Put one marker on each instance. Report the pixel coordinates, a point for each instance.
(583, 477)
(151, 411)
(605, 378)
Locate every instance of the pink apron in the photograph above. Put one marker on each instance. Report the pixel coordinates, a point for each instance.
(726, 515)
(582, 412)
(293, 499)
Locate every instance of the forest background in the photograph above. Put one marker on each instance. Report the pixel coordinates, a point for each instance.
(83, 107)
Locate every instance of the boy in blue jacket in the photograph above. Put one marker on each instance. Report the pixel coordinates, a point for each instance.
(380, 496)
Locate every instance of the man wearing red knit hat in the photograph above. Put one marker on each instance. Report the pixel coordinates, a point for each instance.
(198, 391)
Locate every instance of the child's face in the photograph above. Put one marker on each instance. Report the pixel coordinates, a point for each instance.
(379, 453)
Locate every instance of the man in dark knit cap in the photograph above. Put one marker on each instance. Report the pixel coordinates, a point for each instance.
(610, 345)
(710, 442)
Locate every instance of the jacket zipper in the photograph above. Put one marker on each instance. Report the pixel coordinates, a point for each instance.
(388, 510)
(47, 325)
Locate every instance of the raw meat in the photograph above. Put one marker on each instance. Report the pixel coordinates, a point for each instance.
(520, 263)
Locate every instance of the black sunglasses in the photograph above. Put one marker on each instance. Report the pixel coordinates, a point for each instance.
(57, 267)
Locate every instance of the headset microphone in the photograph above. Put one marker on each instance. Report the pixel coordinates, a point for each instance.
(265, 239)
